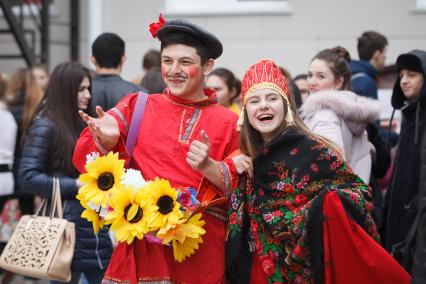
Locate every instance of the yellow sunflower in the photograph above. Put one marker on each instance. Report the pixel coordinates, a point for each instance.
(131, 214)
(102, 178)
(92, 216)
(164, 197)
(185, 237)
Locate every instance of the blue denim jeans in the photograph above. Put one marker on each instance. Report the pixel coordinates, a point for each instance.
(94, 276)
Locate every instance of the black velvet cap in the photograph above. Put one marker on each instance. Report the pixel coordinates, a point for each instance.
(182, 26)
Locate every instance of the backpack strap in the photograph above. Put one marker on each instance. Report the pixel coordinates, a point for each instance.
(135, 123)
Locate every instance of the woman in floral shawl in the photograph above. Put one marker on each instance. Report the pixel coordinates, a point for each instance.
(302, 214)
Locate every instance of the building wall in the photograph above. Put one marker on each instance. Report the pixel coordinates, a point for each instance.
(291, 39)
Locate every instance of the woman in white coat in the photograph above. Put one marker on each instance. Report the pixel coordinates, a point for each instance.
(338, 114)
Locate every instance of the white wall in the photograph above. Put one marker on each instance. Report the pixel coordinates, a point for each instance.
(291, 39)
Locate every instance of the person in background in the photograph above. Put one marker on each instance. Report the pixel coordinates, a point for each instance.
(237, 99)
(40, 75)
(222, 80)
(108, 56)
(47, 153)
(23, 97)
(372, 51)
(337, 114)
(151, 59)
(153, 81)
(301, 82)
(7, 149)
(418, 273)
(409, 95)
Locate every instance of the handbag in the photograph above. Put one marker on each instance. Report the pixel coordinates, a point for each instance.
(42, 246)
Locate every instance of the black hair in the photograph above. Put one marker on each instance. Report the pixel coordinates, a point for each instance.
(300, 77)
(108, 49)
(61, 107)
(369, 43)
(227, 76)
(186, 39)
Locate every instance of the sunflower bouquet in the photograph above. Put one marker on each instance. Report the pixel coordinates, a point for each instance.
(135, 208)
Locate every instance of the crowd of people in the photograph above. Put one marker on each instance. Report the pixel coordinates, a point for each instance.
(316, 188)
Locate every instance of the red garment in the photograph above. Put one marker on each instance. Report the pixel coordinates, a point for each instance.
(168, 127)
(257, 275)
(351, 255)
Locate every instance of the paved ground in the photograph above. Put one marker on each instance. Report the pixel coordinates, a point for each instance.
(20, 280)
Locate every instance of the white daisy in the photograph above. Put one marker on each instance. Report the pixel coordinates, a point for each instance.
(134, 179)
(92, 157)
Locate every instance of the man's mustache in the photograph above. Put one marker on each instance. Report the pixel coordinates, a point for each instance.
(177, 76)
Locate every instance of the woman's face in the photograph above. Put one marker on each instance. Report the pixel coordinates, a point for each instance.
(320, 77)
(411, 83)
(222, 90)
(265, 112)
(41, 78)
(84, 94)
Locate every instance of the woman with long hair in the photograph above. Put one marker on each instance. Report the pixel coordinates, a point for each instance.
(302, 216)
(47, 153)
(224, 83)
(338, 114)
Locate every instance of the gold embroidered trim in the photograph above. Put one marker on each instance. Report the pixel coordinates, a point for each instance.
(264, 85)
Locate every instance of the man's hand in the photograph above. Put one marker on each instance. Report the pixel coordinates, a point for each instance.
(243, 164)
(198, 154)
(104, 128)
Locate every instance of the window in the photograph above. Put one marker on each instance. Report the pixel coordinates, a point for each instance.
(225, 7)
(420, 6)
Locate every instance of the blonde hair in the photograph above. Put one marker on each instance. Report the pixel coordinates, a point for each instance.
(32, 100)
(23, 90)
(4, 81)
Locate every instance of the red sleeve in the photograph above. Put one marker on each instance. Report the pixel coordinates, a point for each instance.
(87, 143)
(228, 170)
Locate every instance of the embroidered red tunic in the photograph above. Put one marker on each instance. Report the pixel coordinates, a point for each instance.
(168, 127)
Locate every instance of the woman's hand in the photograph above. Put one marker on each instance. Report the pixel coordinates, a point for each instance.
(243, 164)
(104, 128)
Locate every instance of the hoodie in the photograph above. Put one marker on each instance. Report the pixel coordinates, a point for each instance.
(403, 194)
(364, 79)
(342, 117)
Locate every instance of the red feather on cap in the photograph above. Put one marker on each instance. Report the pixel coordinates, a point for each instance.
(154, 27)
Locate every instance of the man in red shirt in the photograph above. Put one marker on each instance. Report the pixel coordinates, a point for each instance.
(183, 135)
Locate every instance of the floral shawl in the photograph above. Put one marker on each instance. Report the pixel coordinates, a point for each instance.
(269, 212)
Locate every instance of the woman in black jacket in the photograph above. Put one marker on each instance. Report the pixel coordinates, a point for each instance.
(47, 153)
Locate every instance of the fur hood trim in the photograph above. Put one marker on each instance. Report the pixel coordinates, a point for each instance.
(355, 110)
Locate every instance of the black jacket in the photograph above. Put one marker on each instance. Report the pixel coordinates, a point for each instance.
(403, 193)
(109, 89)
(419, 263)
(37, 169)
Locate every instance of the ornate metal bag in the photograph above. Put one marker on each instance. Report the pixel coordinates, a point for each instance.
(42, 246)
